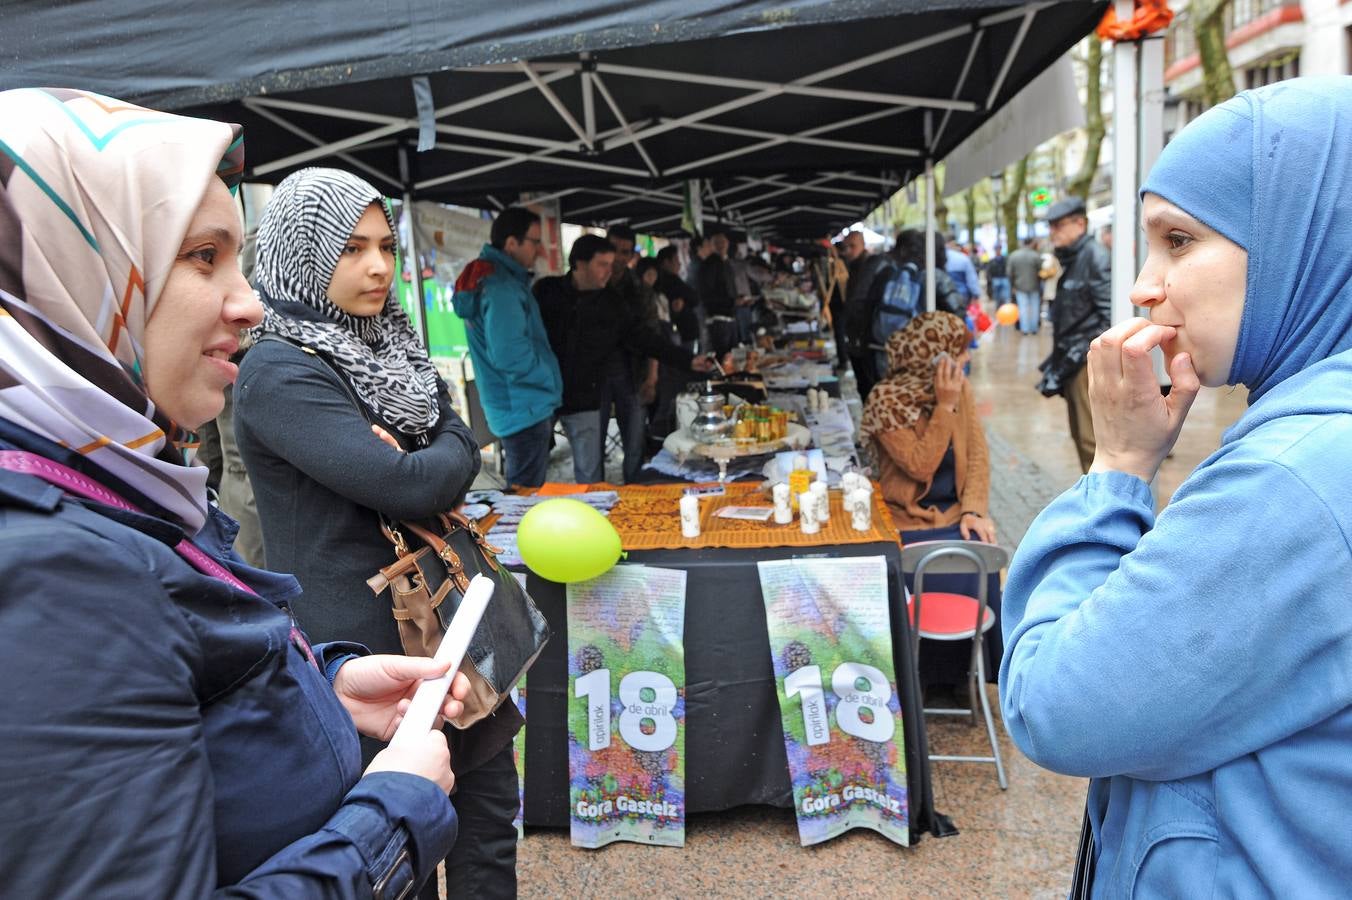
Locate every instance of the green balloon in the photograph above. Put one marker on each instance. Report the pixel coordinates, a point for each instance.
(566, 540)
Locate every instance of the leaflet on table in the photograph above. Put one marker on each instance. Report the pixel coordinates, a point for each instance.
(746, 513)
(831, 645)
(626, 707)
(504, 538)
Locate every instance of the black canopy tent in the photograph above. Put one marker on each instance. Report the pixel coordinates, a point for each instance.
(798, 115)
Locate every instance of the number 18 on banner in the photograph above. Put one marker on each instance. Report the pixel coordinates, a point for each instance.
(831, 648)
(862, 697)
(647, 701)
(626, 712)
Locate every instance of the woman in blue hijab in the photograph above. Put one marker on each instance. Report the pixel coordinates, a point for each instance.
(1198, 667)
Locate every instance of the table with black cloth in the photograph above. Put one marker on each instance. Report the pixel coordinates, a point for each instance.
(734, 733)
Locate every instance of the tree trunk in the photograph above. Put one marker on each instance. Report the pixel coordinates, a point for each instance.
(969, 202)
(1093, 115)
(1208, 26)
(940, 207)
(1017, 185)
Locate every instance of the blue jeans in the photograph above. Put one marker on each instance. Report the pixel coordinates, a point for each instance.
(746, 320)
(588, 445)
(619, 389)
(1030, 309)
(1000, 290)
(527, 454)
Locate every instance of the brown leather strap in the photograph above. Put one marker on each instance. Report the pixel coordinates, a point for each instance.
(444, 552)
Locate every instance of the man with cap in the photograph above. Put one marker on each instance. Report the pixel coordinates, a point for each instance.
(1082, 311)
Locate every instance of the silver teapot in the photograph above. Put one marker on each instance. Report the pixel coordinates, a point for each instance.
(710, 426)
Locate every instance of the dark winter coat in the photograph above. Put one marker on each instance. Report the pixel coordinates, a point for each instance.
(162, 734)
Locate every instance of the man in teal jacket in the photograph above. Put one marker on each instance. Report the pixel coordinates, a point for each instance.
(518, 376)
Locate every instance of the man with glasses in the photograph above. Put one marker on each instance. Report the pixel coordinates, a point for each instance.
(1082, 311)
(518, 376)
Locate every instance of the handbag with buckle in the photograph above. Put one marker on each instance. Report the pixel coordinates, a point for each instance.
(427, 583)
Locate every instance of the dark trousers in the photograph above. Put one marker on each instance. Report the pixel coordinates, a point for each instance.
(482, 863)
(865, 373)
(527, 454)
(722, 334)
(671, 381)
(618, 390)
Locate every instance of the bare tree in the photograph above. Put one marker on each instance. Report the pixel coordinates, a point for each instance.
(1208, 27)
(969, 207)
(1093, 116)
(1016, 185)
(940, 206)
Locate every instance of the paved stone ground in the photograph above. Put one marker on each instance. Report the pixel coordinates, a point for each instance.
(1020, 492)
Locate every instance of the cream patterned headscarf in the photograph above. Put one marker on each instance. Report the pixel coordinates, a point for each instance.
(95, 197)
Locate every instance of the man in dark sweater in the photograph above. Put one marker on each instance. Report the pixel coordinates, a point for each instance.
(718, 292)
(680, 295)
(589, 327)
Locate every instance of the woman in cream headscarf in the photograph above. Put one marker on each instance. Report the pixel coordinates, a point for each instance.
(167, 728)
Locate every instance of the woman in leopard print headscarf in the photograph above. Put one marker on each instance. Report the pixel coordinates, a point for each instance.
(920, 424)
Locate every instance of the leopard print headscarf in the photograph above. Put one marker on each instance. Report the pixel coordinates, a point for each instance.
(907, 393)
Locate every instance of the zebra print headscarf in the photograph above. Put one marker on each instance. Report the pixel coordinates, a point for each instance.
(300, 240)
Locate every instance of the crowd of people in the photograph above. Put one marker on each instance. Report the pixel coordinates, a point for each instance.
(180, 720)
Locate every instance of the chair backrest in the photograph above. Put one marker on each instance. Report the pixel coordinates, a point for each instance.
(951, 558)
(947, 561)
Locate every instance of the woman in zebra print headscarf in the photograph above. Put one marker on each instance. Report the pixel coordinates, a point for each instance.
(309, 245)
(338, 358)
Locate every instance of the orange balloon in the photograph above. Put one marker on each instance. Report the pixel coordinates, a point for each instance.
(1007, 314)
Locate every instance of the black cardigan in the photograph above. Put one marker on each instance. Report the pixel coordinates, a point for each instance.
(319, 477)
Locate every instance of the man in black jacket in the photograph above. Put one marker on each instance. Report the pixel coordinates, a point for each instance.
(1082, 311)
(589, 327)
(869, 274)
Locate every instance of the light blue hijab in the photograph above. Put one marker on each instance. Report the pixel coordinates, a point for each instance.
(1271, 169)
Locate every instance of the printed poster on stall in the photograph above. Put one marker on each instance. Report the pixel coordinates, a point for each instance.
(626, 708)
(518, 696)
(831, 642)
(519, 757)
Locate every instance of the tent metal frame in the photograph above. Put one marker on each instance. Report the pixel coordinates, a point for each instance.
(594, 75)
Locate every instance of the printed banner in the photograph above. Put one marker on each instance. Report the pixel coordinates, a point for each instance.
(519, 757)
(626, 708)
(831, 642)
(519, 743)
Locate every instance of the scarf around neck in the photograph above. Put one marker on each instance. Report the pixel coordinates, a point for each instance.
(95, 198)
(301, 237)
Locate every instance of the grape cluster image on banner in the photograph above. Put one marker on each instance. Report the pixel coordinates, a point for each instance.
(626, 708)
(831, 643)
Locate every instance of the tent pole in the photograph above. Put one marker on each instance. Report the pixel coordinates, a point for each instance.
(1125, 175)
(930, 227)
(415, 265)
